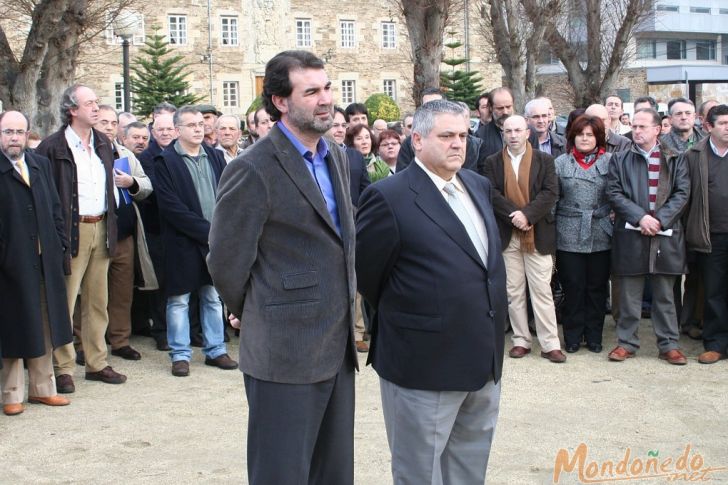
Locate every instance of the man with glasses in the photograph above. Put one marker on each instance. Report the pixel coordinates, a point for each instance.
(83, 161)
(187, 174)
(537, 116)
(525, 190)
(32, 288)
(648, 189)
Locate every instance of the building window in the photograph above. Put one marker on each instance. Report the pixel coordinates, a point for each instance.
(177, 29)
(111, 37)
(675, 49)
(705, 50)
(230, 94)
(119, 96)
(348, 92)
(389, 86)
(303, 33)
(699, 9)
(646, 49)
(229, 30)
(389, 35)
(347, 34)
(723, 11)
(667, 8)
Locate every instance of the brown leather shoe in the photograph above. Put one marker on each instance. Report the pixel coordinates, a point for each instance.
(13, 409)
(49, 400)
(710, 357)
(126, 353)
(107, 375)
(180, 368)
(620, 354)
(556, 356)
(222, 362)
(64, 384)
(517, 352)
(362, 346)
(674, 357)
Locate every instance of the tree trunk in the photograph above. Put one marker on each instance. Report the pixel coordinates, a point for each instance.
(425, 20)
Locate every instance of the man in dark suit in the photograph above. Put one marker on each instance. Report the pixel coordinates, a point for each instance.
(187, 173)
(282, 257)
(525, 190)
(429, 261)
(32, 287)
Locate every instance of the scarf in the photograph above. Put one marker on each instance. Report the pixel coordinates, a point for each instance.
(586, 160)
(516, 191)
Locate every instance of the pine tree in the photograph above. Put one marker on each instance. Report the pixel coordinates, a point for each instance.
(158, 77)
(459, 85)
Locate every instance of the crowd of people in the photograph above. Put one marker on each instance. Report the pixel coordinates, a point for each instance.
(181, 228)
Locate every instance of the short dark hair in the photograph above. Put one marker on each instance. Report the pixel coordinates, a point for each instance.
(355, 109)
(353, 131)
(135, 125)
(339, 109)
(477, 101)
(674, 101)
(715, 111)
(277, 80)
(108, 107)
(621, 103)
(430, 91)
(582, 122)
(573, 116)
(255, 116)
(646, 99)
(656, 119)
(701, 109)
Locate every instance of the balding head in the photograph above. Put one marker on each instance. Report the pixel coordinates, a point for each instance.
(163, 129)
(13, 143)
(515, 133)
(598, 111)
(537, 115)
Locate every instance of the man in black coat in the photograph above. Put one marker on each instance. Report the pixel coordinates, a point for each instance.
(32, 287)
(187, 173)
(428, 259)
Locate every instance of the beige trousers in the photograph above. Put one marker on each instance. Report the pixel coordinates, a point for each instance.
(41, 382)
(534, 269)
(89, 276)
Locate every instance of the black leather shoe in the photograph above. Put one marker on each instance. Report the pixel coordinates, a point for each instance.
(127, 353)
(80, 358)
(222, 362)
(596, 348)
(106, 375)
(64, 384)
(571, 348)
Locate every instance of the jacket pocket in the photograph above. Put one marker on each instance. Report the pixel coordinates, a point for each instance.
(306, 279)
(293, 310)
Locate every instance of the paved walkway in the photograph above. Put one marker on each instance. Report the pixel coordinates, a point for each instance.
(159, 429)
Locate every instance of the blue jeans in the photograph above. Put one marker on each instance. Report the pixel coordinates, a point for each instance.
(178, 325)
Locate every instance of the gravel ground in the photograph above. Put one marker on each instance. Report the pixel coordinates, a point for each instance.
(159, 429)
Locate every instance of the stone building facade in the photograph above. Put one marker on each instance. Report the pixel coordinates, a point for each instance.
(364, 44)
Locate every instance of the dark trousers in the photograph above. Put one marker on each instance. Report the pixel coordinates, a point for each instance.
(714, 268)
(584, 278)
(301, 433)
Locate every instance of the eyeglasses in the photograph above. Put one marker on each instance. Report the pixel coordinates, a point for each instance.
(11, 132)
(192, 126)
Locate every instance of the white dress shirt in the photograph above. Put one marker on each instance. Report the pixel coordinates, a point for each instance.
(90, 174)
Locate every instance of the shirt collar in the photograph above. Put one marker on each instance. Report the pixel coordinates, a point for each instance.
(181, 151)
(715, 149)
(75, 141)
(322, 148)
(437, 180)
(647, 153)
(515, 157)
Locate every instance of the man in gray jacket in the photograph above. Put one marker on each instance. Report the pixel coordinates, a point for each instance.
(282, 259)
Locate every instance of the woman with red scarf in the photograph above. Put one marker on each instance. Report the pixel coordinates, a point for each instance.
(583, 232)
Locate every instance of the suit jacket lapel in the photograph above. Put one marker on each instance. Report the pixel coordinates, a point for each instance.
(293, 164)
(433, 204)
(483, 205)
(342, 195)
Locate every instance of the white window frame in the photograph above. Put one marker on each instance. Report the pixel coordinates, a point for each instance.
(112, 39)
(348, 34)
(230, 94)
(303, 32)
(389, 35)
(348, 91)
(230, 33)
(180, 29)
(389, 87)
(119, 96)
